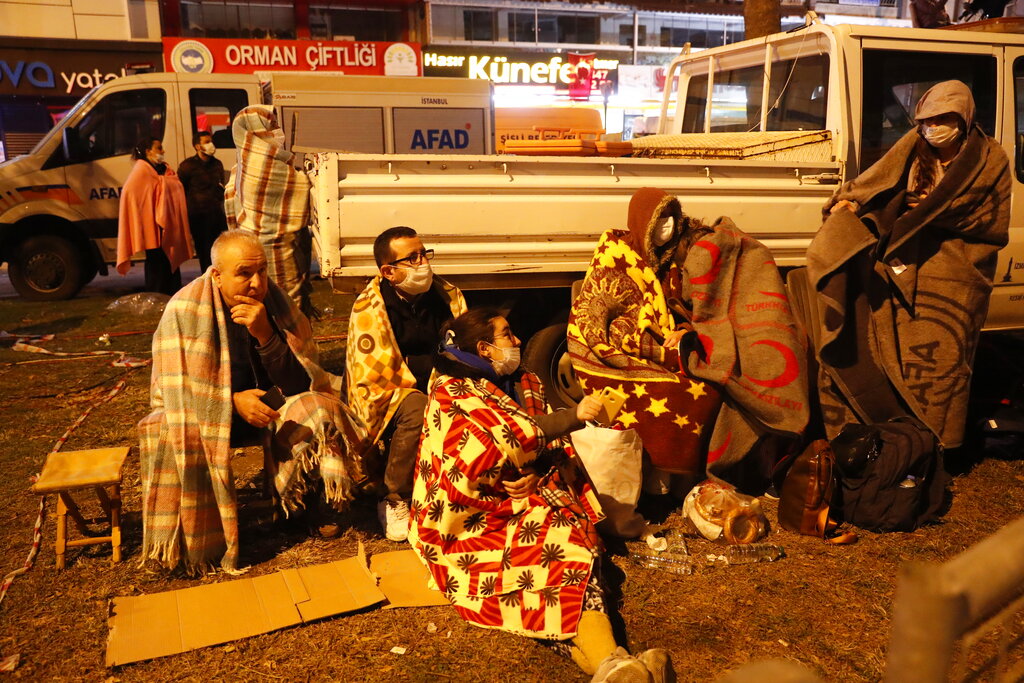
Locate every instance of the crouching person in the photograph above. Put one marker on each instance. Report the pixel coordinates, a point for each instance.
(500, 517)
(226, 344)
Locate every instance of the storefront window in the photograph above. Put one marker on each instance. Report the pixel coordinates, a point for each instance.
(238, 19)
(330, 23)
(478, 24)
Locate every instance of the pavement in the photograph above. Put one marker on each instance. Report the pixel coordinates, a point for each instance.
(112, 285)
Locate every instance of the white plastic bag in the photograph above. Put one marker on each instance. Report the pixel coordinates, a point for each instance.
(613, 459)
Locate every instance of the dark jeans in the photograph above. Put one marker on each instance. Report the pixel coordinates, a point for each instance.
(403, 436)
(205, 227)
(159, 277)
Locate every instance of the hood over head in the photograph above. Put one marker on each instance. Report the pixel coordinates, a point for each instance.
(645, 209)
(255, 127)
(945, 98)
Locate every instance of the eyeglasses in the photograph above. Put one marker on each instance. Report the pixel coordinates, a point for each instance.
(415, 259)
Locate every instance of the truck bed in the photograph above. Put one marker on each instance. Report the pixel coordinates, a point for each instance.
(514, 221)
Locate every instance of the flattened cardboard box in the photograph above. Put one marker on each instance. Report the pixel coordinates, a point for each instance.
(160, 624)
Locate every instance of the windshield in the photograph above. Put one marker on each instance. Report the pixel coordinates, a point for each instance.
(67, 117)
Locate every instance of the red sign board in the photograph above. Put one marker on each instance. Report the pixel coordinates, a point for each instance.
(240, 56)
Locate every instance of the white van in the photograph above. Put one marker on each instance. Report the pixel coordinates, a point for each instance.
(59, 203)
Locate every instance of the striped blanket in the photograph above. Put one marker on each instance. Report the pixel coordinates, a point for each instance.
(268, 197)
(189, 508)
(378, 380)
(517, 565)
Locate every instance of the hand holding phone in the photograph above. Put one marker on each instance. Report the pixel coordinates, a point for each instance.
(273, 398)
(611, 401)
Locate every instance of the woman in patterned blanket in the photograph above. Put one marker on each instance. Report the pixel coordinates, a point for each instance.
(500, 517)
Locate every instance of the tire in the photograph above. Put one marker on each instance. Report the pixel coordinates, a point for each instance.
(547, 356)
(47, 268)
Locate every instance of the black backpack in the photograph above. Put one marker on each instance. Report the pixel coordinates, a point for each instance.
(891, 475)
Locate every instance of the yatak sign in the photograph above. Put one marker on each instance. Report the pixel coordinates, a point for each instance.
(556, 70)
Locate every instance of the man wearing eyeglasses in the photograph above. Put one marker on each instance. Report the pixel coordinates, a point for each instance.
(393, 332)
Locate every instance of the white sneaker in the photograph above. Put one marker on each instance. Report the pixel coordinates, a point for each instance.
(394, 519)
(621, 667)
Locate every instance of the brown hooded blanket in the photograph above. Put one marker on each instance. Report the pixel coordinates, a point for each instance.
(616, 329)
(902, 287)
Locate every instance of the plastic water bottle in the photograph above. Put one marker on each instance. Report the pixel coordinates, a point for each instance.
(673, 563)
(751, 552)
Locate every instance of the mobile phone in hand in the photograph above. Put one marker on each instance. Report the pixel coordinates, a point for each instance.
(273, 398)
(611, 403)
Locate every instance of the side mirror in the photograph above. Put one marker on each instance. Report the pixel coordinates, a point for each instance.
(71, 143)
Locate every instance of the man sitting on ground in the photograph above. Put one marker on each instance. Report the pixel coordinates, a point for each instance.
(393, 333)
(225, 345)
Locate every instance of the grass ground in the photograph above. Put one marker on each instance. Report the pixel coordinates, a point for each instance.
(826, 607)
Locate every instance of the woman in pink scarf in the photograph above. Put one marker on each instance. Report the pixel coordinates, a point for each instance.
(153, 217)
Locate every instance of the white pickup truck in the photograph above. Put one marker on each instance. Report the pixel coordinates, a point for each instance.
(762, 131)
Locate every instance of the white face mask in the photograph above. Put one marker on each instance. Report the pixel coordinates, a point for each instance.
(664, 231)
(209, 149)
(940, 136)
(158, 158)
(417, 280)
(509, 361)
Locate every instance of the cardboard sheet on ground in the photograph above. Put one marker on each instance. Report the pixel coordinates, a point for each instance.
(160, 624)
(404, 580)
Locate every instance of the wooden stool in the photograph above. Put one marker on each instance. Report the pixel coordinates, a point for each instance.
(74, 470)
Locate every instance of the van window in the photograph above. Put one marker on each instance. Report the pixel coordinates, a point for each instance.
(895, 80)
(1018, 100)
(797, 94)
(214, 109)
(736, 100)
(115, 125)
(696, 104)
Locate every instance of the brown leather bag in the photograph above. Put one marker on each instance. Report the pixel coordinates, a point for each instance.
(806, 494)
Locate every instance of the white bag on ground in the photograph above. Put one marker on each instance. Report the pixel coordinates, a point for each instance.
(613, 460)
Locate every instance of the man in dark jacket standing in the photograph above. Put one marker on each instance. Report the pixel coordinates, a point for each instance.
(203, 178)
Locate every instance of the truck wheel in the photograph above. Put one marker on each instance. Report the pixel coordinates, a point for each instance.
(547, 356)
(46, 268)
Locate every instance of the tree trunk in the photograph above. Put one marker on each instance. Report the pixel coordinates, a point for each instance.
(762, 17)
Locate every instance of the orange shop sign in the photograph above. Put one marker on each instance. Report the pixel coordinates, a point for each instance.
(239, 56)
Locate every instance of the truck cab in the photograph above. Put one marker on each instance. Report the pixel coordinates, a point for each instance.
(59, 203)
(856, 87)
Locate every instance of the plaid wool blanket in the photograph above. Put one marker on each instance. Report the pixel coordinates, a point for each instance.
(517, 565)
(267, 196)
(377, 378)
(189, 508)
(616, 328)
(903, 292)
(746, 340)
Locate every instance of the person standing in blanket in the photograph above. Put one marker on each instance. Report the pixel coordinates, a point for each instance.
(501, 517)
(624, 332)
(202, 176)
(153, 217)
(393, 332)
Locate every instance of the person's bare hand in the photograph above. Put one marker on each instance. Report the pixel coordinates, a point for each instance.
(253, 314)
(672, 339)
(524, 487)
(251, 409)
(843, 204)
(589, 408)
